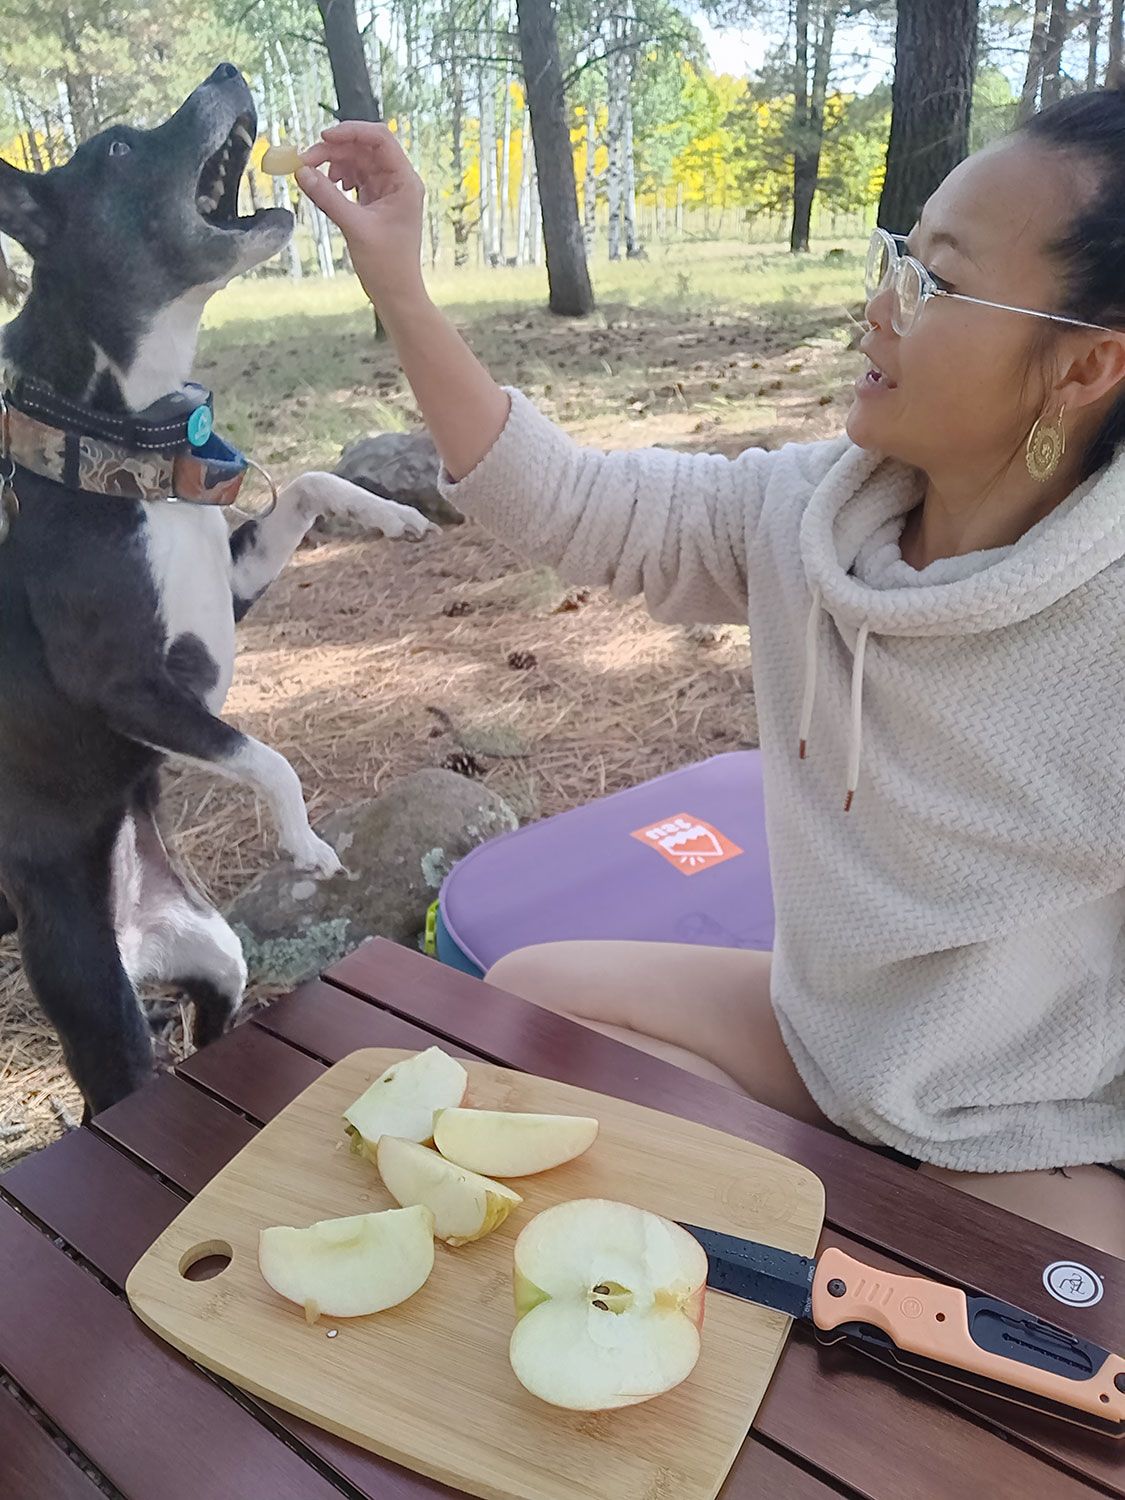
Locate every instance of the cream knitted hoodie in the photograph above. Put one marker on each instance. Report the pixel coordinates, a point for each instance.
(949, 959)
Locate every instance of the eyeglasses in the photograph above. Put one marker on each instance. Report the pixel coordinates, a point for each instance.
(912, 286)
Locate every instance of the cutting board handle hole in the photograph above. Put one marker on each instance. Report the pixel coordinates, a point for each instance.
(205, 1260)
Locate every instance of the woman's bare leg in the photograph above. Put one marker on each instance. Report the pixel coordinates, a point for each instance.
(705, 1009)
(1086, 1203)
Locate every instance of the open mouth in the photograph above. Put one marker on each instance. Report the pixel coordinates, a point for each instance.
(216, 192)
(878, 377)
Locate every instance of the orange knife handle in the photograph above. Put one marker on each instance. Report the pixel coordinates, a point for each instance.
(931, 1320)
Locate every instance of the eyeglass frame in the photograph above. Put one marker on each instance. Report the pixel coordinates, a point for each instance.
(930, 288)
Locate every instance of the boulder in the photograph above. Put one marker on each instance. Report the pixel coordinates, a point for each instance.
(399, 466)
(397, 849)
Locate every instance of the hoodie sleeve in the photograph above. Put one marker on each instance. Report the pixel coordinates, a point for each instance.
(675, 527)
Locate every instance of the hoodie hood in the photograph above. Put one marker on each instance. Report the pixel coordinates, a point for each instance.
(849, 539)
(849, 547)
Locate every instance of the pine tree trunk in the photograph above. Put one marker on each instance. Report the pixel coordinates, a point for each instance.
(280, 189)
(1036, 52)
(935, 59)
(1052, 61)
(354, 95)
(459, 206)
(804, 179)
(1093, 32)
(567, 273)
(1116, 35)
(629, 184)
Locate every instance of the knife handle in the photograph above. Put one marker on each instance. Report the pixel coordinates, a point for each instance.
(938, 1322)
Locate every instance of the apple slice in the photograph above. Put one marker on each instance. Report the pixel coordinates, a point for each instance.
(610, 1302)
(402, 1101)
(349, 1267)
(465, 1206)
(502, 1144)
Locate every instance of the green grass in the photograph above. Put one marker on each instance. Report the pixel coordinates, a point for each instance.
(298, 374)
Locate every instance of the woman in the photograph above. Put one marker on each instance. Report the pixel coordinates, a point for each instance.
(937, 607)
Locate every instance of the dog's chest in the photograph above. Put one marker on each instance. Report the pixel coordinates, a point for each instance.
(188, 550)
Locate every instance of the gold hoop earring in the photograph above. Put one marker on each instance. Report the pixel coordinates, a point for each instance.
(1045, 448)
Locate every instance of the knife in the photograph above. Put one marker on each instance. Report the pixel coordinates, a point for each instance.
(926, 1326)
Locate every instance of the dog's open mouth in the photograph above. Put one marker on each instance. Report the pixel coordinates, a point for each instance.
(216, 193)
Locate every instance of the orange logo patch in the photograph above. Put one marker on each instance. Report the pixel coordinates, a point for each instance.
(688, 843)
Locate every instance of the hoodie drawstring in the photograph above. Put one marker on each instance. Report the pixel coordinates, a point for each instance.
(856, 743)
(811, 631)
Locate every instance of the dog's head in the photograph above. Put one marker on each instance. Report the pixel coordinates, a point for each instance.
(135, 223)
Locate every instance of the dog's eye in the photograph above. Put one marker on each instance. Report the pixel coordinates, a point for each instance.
(120, 148)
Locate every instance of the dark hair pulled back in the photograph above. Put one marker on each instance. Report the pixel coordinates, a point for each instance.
(1091, 254)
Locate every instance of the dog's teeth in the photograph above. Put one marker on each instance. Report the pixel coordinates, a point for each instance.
(243, 135)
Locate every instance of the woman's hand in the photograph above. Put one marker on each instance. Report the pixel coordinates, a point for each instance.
(383, 228)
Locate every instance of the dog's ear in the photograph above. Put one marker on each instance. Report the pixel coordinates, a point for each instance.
(25, 206)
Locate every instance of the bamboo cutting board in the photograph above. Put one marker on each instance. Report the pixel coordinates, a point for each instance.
(428, 1384)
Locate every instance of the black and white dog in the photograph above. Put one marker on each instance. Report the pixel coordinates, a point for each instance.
(117, 615)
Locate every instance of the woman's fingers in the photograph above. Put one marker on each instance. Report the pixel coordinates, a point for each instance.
(327, 197)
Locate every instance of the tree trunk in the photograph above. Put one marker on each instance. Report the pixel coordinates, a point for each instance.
(809, 117)
(355, 97)
(486, 89)
(458, 203)
(629, 187)
(1052, 60)
(804, 185)
(1093, 31)
(1036, 52)
(1116, 36)
(567, 273)
(935, 58)
(615, 133)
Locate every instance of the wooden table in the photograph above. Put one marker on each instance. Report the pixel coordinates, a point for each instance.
(74, 1219)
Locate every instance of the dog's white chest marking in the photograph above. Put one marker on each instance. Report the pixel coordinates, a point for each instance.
(189, 554)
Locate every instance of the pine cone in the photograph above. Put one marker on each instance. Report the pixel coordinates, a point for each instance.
(463, 764)
(522, 661)
(456, 608)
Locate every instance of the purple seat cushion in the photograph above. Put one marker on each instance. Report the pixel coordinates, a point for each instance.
(680, 859)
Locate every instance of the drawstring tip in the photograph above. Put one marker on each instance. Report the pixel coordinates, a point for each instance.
(802, 749)
(849, 799)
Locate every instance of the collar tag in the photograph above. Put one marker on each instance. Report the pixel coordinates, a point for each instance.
(199, 426)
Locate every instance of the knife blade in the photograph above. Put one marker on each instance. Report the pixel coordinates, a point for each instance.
(926, 1326)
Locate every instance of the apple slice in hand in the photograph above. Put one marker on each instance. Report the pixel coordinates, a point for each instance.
(502, 1144)
(465, 1206)
(610, 1302)
(403, 1100)
(349, 1267)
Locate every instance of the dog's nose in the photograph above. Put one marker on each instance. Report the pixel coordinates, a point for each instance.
(223, 72)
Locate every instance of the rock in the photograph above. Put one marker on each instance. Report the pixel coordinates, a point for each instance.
(397, 848)
(399, 466)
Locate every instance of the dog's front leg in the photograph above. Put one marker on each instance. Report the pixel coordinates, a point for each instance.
(261, 549)
(154, 710)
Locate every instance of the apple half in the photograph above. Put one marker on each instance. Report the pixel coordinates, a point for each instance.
(502, 1144)
(465, 1205)
(349, 1267)
(403, 1100)
(609, 1300)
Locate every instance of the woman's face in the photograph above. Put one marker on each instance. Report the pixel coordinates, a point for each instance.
(963, 388)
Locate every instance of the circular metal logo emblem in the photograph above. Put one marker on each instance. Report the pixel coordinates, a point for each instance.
(1075, 1284)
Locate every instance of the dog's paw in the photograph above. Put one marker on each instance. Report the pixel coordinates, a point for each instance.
(398, 522)
(314, 855)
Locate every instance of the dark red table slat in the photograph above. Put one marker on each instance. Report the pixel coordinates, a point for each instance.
(75, 1188)
(328, 1022)
(761, 1474)
(254, 1070)
(32, 1465)
(151, 1422)
(917, 1219)
(177, 1129)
